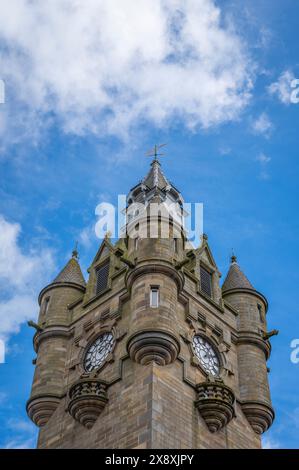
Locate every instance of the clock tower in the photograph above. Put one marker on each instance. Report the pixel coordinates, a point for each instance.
(151, 352)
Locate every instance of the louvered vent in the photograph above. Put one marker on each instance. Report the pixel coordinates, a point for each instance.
(102, 278)
(206, 281)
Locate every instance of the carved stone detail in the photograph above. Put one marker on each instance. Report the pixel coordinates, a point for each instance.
(215, 404)
(40, 408)
(259, 415)
(87, 399)
(158, 346)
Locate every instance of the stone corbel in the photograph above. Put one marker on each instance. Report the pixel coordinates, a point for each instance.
(215, 403)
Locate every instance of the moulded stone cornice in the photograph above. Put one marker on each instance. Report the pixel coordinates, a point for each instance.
(50, 332)
(55, 285)
(155, 345)
(247, 291)
(249, 337)
(154, 267)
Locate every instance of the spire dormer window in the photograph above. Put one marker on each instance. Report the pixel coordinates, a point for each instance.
(102, 277)
(205, 281)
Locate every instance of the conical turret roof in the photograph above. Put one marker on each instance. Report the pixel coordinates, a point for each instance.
(71, 273)
(235, 278)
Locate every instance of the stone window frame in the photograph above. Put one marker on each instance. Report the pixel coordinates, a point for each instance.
(155, 288)
(106, 260)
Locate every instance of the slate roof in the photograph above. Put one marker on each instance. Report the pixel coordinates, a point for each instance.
(235, 278)
(71, 273)
(155, 177)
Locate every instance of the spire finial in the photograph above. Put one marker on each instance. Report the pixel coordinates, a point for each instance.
(204, 238)
(154, 152)
(108, 235)
(233, 257)
(75, 253)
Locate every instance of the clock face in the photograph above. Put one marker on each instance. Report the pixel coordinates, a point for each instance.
(206, 355)
(98, 352)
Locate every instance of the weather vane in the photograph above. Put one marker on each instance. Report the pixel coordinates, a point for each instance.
(154, 152)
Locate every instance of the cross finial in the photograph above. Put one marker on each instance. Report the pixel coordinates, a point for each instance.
(75, 253)
(154, 152)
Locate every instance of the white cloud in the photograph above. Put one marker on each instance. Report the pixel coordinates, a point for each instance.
(21, 277)
(103, 66)
(262, 125)
(87, 236)
(263, 160)
(283, 87)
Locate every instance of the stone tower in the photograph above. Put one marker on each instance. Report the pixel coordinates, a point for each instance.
(151, 352)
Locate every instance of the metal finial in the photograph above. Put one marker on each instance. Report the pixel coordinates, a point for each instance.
(154, 152)
(233, 257)
(75, 253)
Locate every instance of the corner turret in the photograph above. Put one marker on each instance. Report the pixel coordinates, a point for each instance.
(253, 348)
(51, 340)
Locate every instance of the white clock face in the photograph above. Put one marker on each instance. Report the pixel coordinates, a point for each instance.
(206, 355)
(98, 352)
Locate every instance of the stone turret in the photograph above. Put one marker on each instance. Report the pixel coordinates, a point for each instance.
(51, 339)
(155, 242)
(253, 348)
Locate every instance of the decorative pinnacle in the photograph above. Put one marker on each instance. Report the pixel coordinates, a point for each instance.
(75, 253)
(204, 237)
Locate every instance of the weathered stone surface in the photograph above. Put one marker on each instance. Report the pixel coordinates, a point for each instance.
(87, 399)
(215, 403)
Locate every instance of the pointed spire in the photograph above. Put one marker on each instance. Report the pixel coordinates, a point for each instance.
(71, 272)
(155, 177)
(235, 278)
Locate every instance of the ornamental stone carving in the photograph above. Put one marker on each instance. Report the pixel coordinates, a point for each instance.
(87, 399)
(215, 403)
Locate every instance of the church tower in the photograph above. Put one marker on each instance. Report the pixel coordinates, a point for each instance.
(151, 352)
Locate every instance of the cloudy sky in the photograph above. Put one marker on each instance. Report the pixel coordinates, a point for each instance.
(90, 85)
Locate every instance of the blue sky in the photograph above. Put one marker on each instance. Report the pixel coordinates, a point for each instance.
(88, 91)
